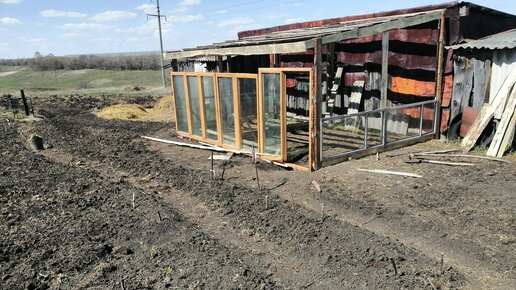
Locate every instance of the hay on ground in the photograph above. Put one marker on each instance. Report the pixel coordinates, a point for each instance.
(162, 111)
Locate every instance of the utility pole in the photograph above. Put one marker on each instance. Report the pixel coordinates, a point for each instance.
(160, 37)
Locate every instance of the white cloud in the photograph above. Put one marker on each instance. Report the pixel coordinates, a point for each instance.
(275, 15)
(294, 4)
(190, 2)
(293, 20)
(114, 16)
(82, 26)
(9, 21)
(56, 13)
(238, 21)
(186, 18)
(221, 11)
(147, 8)
(10, 1)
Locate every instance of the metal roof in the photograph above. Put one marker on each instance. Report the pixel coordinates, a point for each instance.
(301, 39)
(502, 40)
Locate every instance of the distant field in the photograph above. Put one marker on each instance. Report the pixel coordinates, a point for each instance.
(89, 81)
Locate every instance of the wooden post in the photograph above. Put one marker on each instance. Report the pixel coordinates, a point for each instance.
(277, 60)
(385, 69)
(220, 64)
(316, 109)
(228, 64)
(439, 75)
(25, 105)
(173, 65)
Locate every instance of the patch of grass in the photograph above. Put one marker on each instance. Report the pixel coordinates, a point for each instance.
(167, 271)
(87, 81)
(153, 252)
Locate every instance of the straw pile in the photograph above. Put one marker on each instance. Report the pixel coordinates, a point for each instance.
(162, 111)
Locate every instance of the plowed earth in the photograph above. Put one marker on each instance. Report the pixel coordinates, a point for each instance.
(102, 208)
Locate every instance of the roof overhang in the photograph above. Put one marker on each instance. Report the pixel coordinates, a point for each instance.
(301, 40)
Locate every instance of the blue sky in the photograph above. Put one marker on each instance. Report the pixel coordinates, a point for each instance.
(64, 27)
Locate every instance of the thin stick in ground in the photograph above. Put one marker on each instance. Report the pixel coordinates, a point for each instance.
(394, 266)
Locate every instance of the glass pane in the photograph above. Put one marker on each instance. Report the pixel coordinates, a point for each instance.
(402, 123)
(374, 132)
(210, 108)
(272, 113)
(193, 91)
(227, 111)
(343, 135)
(248, 112)
(179, 95)
(428, 118)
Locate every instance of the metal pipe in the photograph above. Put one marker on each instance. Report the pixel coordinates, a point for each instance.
(366, 130)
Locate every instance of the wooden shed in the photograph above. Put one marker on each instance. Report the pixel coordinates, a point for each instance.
(484, 72)
(318, 93)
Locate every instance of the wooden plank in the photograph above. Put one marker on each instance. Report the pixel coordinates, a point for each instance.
(188, 107)
(484, 116)
(173, 100)
(508, 138)
(381, 171)
(292, 47)
(479, 83)
(236, 113)
(501, 130)
(463, 156)
(315, 154)
(439, 75)
(487, 112)
(385, 69)
(283, 107)
(463, 74)
(218, 110)
(201, 107)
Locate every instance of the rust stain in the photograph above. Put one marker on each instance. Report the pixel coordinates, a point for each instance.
(412, 87)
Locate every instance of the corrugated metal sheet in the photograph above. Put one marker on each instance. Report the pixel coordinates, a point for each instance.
(503, 40)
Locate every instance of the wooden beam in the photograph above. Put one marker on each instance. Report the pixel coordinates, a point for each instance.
(381, 171)
(316, 109)
(220, 64)
(385, 69)
(439, 75)
(274, 48)
(495, 149)
(200, 89)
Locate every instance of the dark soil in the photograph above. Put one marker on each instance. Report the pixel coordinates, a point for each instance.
(68, 221)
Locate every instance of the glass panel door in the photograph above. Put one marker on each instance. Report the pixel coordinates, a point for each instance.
(210, 108)
(271, 113)
(180, 99)
(248, 112)
(193, 93)
(227, 111)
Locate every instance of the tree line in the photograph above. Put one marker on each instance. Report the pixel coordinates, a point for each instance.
(51, 62)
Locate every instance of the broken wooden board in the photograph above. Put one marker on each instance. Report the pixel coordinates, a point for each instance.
(381, 171)
(484, 116)
(462, 156)
(508, 138)
(487, 112)
(496, 144)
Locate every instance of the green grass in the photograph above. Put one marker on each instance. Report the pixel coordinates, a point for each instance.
(90, 81)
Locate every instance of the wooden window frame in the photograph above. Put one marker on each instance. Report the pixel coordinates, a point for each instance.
(283, 118)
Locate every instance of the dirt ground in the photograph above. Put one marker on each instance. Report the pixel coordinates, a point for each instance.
(102, 208)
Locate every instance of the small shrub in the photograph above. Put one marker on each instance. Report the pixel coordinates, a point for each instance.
(153, 252)
(167, 271)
